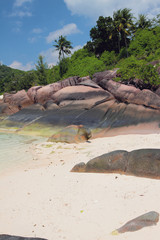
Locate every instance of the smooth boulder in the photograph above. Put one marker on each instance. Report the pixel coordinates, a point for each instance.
(80, 93)
(19, 99)
(9, 237)
(71, 134)
(141, 163)
(145, 220)
(130, 94)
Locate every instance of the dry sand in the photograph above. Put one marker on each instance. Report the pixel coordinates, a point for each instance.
(44, 199)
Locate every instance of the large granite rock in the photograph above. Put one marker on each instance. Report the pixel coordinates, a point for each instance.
(107, 75)
(19, 99)
(80, 93)
(9, 237)
(130, 94)
(95, 113)
(43, 93)
(71, 134)
(141, 163)
(7, 109)
(145, 220)
(32, 93)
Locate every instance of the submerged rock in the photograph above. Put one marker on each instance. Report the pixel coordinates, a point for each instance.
(71, 134)
(141, 163)
(145, 220)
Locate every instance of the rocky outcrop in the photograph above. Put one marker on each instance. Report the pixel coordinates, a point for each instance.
(81, 93)
(145, 220)
(107, 75)
(141, 163)
(44, 93)
(19, 99)
(72, 134)
(130, 94)
(100, 104)
(8, 109)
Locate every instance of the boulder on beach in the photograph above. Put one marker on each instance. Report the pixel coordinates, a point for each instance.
(9, 237)
(141, 163)
(145, 220)
(71, 134)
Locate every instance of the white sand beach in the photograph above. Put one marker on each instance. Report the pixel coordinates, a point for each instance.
(44, 199)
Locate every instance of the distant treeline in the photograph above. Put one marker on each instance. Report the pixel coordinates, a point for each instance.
(120, 41)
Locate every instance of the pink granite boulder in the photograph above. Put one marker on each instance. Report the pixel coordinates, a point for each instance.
(130, 94)
(80, 93)
(19, 99)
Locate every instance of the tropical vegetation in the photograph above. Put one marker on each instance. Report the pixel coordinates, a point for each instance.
(119, 41)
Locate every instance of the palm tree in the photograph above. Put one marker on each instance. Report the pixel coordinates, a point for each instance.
(63, 46)
(123, 22)
(143, 22)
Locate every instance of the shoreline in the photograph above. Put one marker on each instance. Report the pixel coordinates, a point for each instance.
(44, 199)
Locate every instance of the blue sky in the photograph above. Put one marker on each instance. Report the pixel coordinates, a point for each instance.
(29, 27)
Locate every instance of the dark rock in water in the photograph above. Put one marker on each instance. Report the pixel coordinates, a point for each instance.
(141, 163)
(71, 134)
(9, 237)
(145, 220)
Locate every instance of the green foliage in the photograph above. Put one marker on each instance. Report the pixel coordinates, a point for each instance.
(143, 22)
(111, 34)
(128, 68)
(15, 80)
(148, 73)
(144, 43)
(41, 71)
(84, 67)
(131, 69)
(109, 58)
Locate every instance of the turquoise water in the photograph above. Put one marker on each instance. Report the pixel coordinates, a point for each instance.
(14, 150)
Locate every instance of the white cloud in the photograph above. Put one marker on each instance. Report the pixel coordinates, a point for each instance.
(37, 30)
(95, 8)
(51, 56)
(32, 39)
(19, 3)
(20, 66)
(65, 31)
(21, 14)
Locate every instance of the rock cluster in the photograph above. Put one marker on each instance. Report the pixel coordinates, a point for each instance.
(75, 88)
(97, 103)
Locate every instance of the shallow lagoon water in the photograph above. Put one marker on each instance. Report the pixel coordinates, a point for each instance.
(15, 150)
